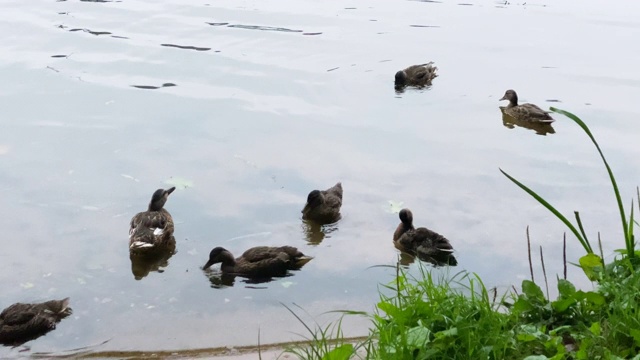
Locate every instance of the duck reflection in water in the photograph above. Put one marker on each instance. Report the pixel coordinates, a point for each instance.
(422, 243)
(144, 263)
(258, 264)
(315, 233)
(540, 128)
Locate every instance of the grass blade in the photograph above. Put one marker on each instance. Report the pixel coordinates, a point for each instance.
(623, 218)
(555, 212)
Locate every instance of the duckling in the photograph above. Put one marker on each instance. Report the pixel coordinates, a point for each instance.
(422, 242)
(416, 75)
(153, 228)
(525, 112)
(20, 322)
(323, 206)
(259, 261)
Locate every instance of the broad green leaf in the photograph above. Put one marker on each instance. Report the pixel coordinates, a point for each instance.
(590, 264)
(635, 333)
(595, 298)
(566, 288)
(533, 291)
(390, 309)
(595, 329)
(522, 305)
(418, 337)
(563, 304)
(342, 352)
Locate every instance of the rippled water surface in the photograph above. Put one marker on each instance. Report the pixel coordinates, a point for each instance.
(252, 104)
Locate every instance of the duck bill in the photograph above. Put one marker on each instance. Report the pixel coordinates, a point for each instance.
(170, 190)
(303, 260)
(207, 265)
(503, 98)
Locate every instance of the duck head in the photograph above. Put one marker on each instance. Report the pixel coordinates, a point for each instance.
(159, 198)
(401, 78)
(218, 255)
(406, 224)
(406, 217)
(511, 96)
(313, 199)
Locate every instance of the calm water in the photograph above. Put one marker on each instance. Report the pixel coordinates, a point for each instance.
(271, 100)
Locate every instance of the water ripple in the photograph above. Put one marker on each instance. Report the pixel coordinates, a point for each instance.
(187, 47)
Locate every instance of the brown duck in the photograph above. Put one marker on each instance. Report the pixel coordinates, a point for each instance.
(152, 229)
(259, 261)
(323, 206)
(525, 112)
(421, 242)
(20, 322)
(416, 75)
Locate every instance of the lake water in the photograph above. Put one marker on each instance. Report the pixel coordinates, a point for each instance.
(273, 99)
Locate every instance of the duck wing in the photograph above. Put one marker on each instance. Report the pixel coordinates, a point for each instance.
(335, 190)
(530, 112)
(152, 219)
(23, 322)
(18, 314)
(421, 74)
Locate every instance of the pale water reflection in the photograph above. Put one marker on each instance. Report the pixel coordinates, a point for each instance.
(261, 118)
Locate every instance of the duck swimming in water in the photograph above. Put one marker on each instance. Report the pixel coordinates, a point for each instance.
(20, 322)
(421, 242)
(152, 229)
(525, 112)
(259, 261)
(416, 75)
(323, 206)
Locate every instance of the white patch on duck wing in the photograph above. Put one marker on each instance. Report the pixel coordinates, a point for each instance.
(158, 231)
(140, 245)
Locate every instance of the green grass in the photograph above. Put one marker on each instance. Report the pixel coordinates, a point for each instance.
(457, 317)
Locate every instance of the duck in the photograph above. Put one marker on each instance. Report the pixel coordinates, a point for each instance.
(21, 322)
(524, 112)
(416, 75)
(259, 261)
(540, 128)
(422, 242)
(152, 229)
(323, 206)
